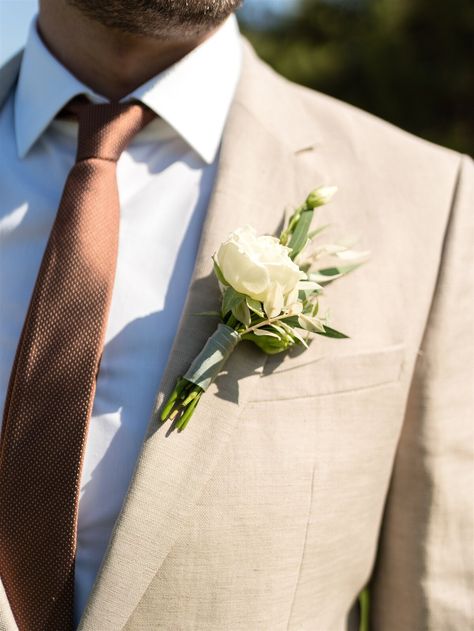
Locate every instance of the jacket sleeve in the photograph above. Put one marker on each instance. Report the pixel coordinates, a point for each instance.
(423, 577)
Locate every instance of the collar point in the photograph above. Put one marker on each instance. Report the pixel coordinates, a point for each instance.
(208, 156)
(22, 151)
(23, 143)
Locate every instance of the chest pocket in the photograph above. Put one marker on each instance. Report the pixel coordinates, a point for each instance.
(294, 378)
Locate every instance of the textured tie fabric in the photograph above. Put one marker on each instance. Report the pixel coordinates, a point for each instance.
(52, 383)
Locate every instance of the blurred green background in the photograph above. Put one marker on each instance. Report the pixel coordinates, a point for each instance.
(408, 61)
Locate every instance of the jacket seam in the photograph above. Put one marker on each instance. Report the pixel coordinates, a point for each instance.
(303, 552)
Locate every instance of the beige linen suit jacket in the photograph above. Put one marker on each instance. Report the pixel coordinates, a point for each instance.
(306, 476)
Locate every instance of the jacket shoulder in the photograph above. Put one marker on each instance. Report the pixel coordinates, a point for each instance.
(365, 137)
(359, 139)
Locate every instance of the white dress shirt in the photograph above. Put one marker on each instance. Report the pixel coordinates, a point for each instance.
(165, 178)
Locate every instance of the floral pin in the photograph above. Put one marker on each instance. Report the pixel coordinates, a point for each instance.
(270, 296)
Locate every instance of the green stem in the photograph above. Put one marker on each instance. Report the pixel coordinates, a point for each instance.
(188, 412)
(231, 321)
(191, 396)
(171, 401)
(292, 223)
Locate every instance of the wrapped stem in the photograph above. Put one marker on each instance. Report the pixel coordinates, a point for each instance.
(210, 361)
(202, 372)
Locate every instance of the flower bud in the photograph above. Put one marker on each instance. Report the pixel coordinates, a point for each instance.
(320, 196)
(270, 345)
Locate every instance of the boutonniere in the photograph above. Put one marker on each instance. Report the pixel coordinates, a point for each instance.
(270, 296)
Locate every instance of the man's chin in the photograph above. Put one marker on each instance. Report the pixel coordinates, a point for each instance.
(160, 19)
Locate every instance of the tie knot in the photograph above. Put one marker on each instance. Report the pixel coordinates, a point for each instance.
(106, 129)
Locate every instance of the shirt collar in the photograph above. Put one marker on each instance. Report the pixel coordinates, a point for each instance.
(193, 95)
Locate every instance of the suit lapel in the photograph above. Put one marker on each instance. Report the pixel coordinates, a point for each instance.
(256, 180)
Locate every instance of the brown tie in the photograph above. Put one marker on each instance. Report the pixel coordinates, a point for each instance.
(52, 384)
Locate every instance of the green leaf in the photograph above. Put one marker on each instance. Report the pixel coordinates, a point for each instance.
(330, 274)
(241, 312)
(329, 332)
(263, 332)
(304, 296)
(286, 327)
(337, 270)
(294, 333)
(300, 338)
(218, 273)
(299, 237)
(230, 300)
(255, 306)
(279, 329)
(291, 321)
(313, 325)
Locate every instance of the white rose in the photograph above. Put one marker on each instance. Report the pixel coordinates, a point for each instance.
(260, 267)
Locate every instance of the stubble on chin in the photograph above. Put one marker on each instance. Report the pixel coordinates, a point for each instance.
(161, 19)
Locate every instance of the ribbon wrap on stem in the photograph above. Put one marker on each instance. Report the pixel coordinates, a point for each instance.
(210, 361)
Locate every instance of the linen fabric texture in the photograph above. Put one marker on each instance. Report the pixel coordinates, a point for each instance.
(304, 477)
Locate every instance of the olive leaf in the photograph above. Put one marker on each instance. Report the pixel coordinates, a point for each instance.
(255, 306)
(230, 300)
(264, 332)
(299, 237)
(329, 332)
(329, 274)
(241, 312)
(313, 325)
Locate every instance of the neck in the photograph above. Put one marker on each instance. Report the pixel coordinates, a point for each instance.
(110, 62)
